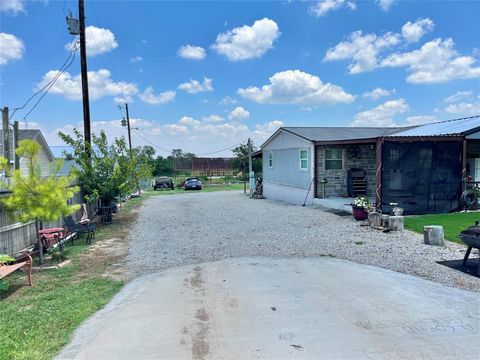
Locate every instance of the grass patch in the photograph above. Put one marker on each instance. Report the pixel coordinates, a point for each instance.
(452, 223)
(36, 322)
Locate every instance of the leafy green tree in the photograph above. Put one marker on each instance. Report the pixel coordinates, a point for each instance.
(240, 163)
(36, 198)
(163, 166)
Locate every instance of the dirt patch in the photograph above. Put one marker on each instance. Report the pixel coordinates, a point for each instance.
(107, 255)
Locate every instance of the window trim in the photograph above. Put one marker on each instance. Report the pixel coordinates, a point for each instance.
(300, 159)
(325, 159)
(270, 159)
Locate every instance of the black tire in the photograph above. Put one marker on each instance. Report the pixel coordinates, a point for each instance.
(468, 198)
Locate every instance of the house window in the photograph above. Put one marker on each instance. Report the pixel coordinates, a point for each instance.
(333, 159)
(270, 159)
(304, 159)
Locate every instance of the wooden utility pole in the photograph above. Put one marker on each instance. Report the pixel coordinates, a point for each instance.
(83, 66)
(6, 135)
(15, 145)
(128, 127)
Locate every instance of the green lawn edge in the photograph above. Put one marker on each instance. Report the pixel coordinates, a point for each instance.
(452, 223)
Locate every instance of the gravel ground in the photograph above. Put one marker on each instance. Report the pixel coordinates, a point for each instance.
(197, 227)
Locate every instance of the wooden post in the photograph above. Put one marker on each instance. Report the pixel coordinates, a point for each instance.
(315, 172)
(83, 68)
(378, 174)
(6, 136)
(464, 164)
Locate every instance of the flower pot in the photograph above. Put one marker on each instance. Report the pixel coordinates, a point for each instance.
(359, 213)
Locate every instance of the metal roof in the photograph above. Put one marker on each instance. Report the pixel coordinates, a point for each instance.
(342, 133)
(455, 127)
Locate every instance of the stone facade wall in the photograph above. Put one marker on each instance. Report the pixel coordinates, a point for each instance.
(354, 156)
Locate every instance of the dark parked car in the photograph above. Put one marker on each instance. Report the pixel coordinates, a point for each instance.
(163, 183)
(192, 184)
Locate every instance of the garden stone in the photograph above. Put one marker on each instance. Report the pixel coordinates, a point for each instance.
(374, 219)
(433, 235)
(384, 221)
(395, 223)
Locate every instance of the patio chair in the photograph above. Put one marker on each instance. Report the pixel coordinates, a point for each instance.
(78, 228)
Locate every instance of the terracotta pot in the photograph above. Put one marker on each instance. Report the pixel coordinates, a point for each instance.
(359, 213)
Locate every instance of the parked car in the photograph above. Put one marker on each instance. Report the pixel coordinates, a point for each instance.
(163, 183)
(182, 184)
(192, 184)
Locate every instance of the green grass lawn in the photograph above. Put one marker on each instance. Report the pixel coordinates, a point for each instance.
(36, 322)
(452, 223)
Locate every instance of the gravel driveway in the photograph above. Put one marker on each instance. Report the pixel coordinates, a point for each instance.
(191, 228)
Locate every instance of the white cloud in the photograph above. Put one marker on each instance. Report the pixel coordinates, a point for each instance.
(435, 62)
(100, 84)
(12, 6)
(11, 48)
(239, 113)
(99, 41)
(214, 118)
(247, 42)
(162, 98)
(363, 50)
(195, 86)
(188, 121)
(121, 100)
(464, 108)
(385, 4)
(321, 8)
(378, 93)
(192, 52)
(296, 87)
(412, 32)
(419, 120)
(228, 100)
(136, 59)
(382, 115)
(264, 131)
(459, 95)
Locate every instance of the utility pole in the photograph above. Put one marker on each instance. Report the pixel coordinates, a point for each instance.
(6, 135)
(251, 175)
(15, 145)
(83, 66)
(128, 127)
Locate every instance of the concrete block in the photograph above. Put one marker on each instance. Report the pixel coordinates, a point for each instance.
(375, 219)
(395, 223)
(433, 235)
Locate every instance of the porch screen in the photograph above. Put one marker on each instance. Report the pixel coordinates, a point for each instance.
(421, 177)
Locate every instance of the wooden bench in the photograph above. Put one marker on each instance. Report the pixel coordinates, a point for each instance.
(6, 270)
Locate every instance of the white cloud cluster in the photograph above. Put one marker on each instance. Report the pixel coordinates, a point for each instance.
(363, 50)
(435, 62)
(191, 52)
(214, 118)
(385, 4)
(239, 113)
(419, 120)
(99, 41)
(321, 8)
(412, 32)
(228, 100)
(296, 87)
(381, 115)
(264, 131)
(464, 108)
(195, 86)
(147, 96)
(12, 6)
(100, 84)
(247, 42)
(11, 48)
(459, 95)
(378, 93)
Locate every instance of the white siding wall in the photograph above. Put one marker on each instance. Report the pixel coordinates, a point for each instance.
(45, 164)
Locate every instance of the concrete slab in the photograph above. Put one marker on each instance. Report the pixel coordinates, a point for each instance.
(268, 308)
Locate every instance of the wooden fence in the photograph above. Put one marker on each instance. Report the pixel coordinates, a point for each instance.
(16, 236)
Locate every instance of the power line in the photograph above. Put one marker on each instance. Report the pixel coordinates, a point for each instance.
(148, 141)
(228, 148)
(61, 70)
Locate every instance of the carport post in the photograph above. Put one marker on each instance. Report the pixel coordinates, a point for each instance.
(251, 175)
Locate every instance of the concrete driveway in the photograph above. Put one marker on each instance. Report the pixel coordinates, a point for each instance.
(273, 308)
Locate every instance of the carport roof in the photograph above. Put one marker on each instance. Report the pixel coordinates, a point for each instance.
(456, 127)
(342, 133)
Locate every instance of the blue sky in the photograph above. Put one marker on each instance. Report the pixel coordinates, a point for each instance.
(204, 76)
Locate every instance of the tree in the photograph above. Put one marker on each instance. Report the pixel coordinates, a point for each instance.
(240, 163)
(37, 198)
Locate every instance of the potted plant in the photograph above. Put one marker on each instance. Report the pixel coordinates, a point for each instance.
(361, 206)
